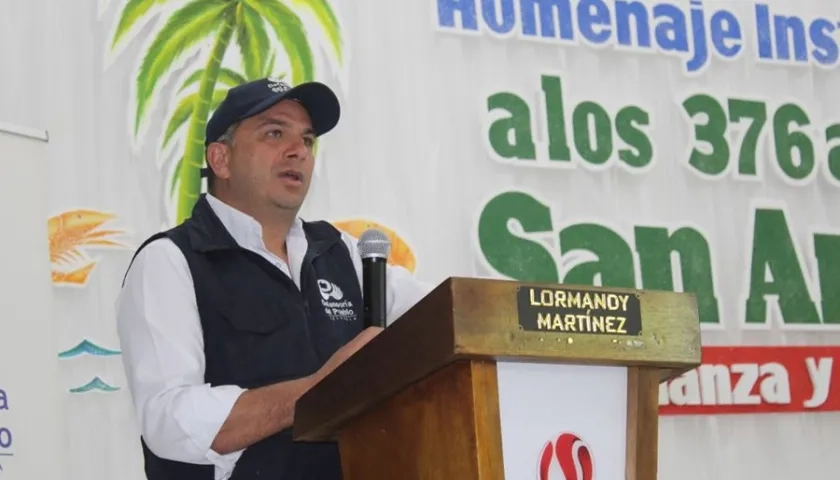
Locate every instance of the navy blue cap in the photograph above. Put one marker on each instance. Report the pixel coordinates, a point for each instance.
(252, 98)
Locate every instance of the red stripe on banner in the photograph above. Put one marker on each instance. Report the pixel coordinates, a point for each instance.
(771, 379)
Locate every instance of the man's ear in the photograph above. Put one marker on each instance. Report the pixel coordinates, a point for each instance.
(218, 159)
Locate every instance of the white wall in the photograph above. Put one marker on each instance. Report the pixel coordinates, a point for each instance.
(412, 127)
(30, 411)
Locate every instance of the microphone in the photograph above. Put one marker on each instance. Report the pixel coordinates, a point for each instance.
(374, 248)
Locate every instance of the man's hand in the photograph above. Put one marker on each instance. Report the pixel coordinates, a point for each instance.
(345, 352)
(265, 411)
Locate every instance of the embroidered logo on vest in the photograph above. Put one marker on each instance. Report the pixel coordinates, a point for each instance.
(336, 307)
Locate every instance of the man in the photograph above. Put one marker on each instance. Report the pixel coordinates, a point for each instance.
(222, 319)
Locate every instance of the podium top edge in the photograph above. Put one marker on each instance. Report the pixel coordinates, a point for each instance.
(492, 319)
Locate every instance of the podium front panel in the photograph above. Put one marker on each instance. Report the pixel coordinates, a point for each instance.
(561, 421)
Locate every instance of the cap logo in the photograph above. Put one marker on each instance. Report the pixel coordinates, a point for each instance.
(277, 86)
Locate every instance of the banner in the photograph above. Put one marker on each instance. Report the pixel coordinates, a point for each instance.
(750, 380)
(30, 412)
(667, 145)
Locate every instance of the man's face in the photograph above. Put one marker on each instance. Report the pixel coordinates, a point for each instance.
(271, 161)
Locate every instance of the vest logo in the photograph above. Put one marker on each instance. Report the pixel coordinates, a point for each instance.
(335, 306)
(567, 457)
(329, 290)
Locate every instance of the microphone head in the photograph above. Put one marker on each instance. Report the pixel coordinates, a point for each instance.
(374, 243)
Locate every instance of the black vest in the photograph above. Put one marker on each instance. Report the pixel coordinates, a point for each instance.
(259, 329)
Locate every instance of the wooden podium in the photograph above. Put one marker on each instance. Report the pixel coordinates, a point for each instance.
(493, 379)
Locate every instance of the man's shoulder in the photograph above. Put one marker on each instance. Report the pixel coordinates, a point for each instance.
(157, 245)
(164, 242)
(158, 253)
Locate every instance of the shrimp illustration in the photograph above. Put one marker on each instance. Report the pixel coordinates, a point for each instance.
(69, 233)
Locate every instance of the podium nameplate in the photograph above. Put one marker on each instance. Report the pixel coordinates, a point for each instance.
(567, 310)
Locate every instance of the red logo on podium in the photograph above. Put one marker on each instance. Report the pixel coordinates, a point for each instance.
(568, 457)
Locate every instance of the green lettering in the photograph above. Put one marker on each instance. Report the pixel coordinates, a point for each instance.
(827, 251)
(774, 255)
(787, 141)
(710, 152)
(520, 144)
(628, 126)
(598, 149)
(513, 256)
(654, 247)
(555, 109)
(615, 259)
(755, 115)
(832, 134)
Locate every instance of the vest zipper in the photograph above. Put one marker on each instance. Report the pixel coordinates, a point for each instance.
(307, 259)
(305, 265)
(311, 253)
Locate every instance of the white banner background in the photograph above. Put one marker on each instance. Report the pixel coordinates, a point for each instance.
(411, 153)
(30, 412)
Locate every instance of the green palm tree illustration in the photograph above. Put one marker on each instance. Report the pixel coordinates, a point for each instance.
(254, 26)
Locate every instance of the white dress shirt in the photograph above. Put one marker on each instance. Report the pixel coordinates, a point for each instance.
(163, 350)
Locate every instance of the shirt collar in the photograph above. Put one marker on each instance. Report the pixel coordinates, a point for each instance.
(244, 228)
